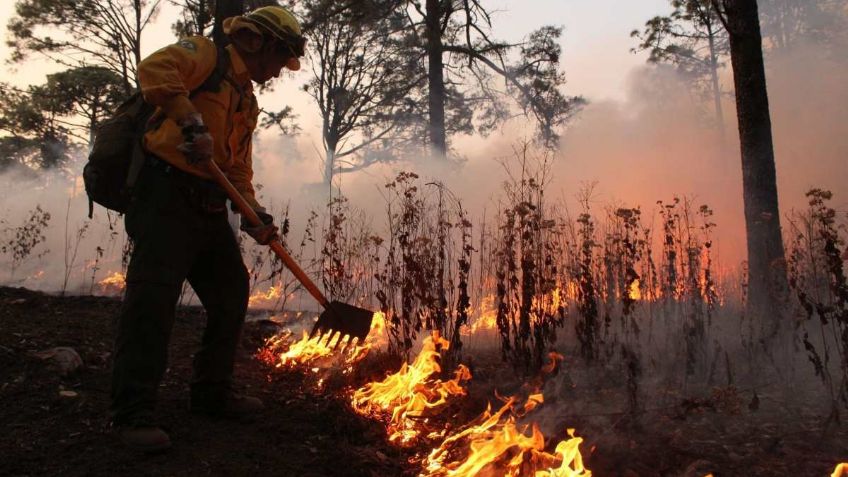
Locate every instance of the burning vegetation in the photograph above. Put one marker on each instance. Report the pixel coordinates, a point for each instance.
(495, 441)
(621, 296)
(635, 299)
(600, 323)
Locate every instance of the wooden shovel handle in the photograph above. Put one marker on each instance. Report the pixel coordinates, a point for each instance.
(251, 216)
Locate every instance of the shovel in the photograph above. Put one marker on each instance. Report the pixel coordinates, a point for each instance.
(339, 320)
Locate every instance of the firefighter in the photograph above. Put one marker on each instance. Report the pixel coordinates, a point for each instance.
(178, 220)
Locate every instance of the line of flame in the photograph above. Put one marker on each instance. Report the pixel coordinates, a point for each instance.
(116, 282)
(269, 296)
(495, 439)
(282, 353)
(412, 393)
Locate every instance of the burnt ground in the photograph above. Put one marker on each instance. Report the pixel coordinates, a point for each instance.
(45, 433)
(55, 425)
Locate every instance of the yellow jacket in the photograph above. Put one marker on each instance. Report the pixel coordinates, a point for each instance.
(169, 75)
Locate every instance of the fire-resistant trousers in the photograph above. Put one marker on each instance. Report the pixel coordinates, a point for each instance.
(176, 236)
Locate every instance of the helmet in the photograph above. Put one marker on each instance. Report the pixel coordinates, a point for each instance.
(273, 20)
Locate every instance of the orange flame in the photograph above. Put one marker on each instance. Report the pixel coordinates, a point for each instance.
(265, 298)
(278, 350)
(412, 393)
(841, 470)
(307, 350)
(487, 314)
(113, 284)
(378, 336)
(496, 442)
(635, 292)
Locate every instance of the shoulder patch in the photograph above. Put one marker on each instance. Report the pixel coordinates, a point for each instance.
(187, 44)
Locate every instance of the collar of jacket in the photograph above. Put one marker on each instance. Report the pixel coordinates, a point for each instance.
(240, 73)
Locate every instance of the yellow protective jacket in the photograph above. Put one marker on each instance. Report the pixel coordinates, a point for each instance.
(169, 75)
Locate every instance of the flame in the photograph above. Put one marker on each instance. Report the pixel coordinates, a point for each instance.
(841, 470)
(487, 317)
(411, 394)
(307, 350)
(635, 291)
(280, 352)
(547, 304)
(267, 297)
(495, 441)
(487, 313)
(377, 336)
(572, 290)
(113, 284)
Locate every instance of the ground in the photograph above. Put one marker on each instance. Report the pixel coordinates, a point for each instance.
(44, 433)
(55, 425)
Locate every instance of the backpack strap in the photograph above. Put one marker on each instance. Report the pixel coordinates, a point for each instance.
(212, 83)
(218, 75)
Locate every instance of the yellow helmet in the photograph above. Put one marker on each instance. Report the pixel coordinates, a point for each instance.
(274, 20)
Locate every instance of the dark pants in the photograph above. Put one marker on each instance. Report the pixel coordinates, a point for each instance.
(180, 231)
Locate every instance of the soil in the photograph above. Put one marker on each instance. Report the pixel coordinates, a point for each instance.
(58, 425)
(43, 432)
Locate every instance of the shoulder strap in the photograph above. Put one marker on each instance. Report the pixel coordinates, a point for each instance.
(212, 83)
(219, 73)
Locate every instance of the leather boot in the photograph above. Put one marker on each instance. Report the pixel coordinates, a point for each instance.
(231, 405)
(144, 438)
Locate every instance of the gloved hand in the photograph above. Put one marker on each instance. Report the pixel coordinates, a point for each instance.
(265, 233)
(198, 143)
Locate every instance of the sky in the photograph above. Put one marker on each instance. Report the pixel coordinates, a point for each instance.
(596, 38)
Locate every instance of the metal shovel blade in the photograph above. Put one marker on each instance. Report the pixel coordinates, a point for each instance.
(344, 319)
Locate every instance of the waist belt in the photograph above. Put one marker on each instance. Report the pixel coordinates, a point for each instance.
(203, 195)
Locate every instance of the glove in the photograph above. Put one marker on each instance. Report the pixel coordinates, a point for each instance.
(198, 143)
(265, 233)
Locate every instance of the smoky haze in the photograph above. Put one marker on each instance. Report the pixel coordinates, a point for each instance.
(654, 145)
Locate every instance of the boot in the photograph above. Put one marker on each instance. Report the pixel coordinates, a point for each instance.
(144, 438)
(230, 405)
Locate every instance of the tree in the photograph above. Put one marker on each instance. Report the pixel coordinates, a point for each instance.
(361, 84)
(196, 17)
(785, 22)
(230, 8)
(766, 259)
(105, 33)
(90, 93)
(225, 9)
(41, 121)
(454, 38)
(693, 39)
(31, 118)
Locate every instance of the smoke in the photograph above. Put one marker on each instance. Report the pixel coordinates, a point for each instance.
(68, 245)
(656, 144)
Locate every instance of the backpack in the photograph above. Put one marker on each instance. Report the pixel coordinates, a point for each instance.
(117, 154)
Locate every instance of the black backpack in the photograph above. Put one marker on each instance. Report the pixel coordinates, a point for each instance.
(117, 154)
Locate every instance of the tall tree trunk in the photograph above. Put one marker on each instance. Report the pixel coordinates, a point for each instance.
(225, 9)
(331, 143)
(202, 16)
(719, 111)
(766, 259)
(136, 46)
(329, 166)
(436, 79)
(92, 123)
